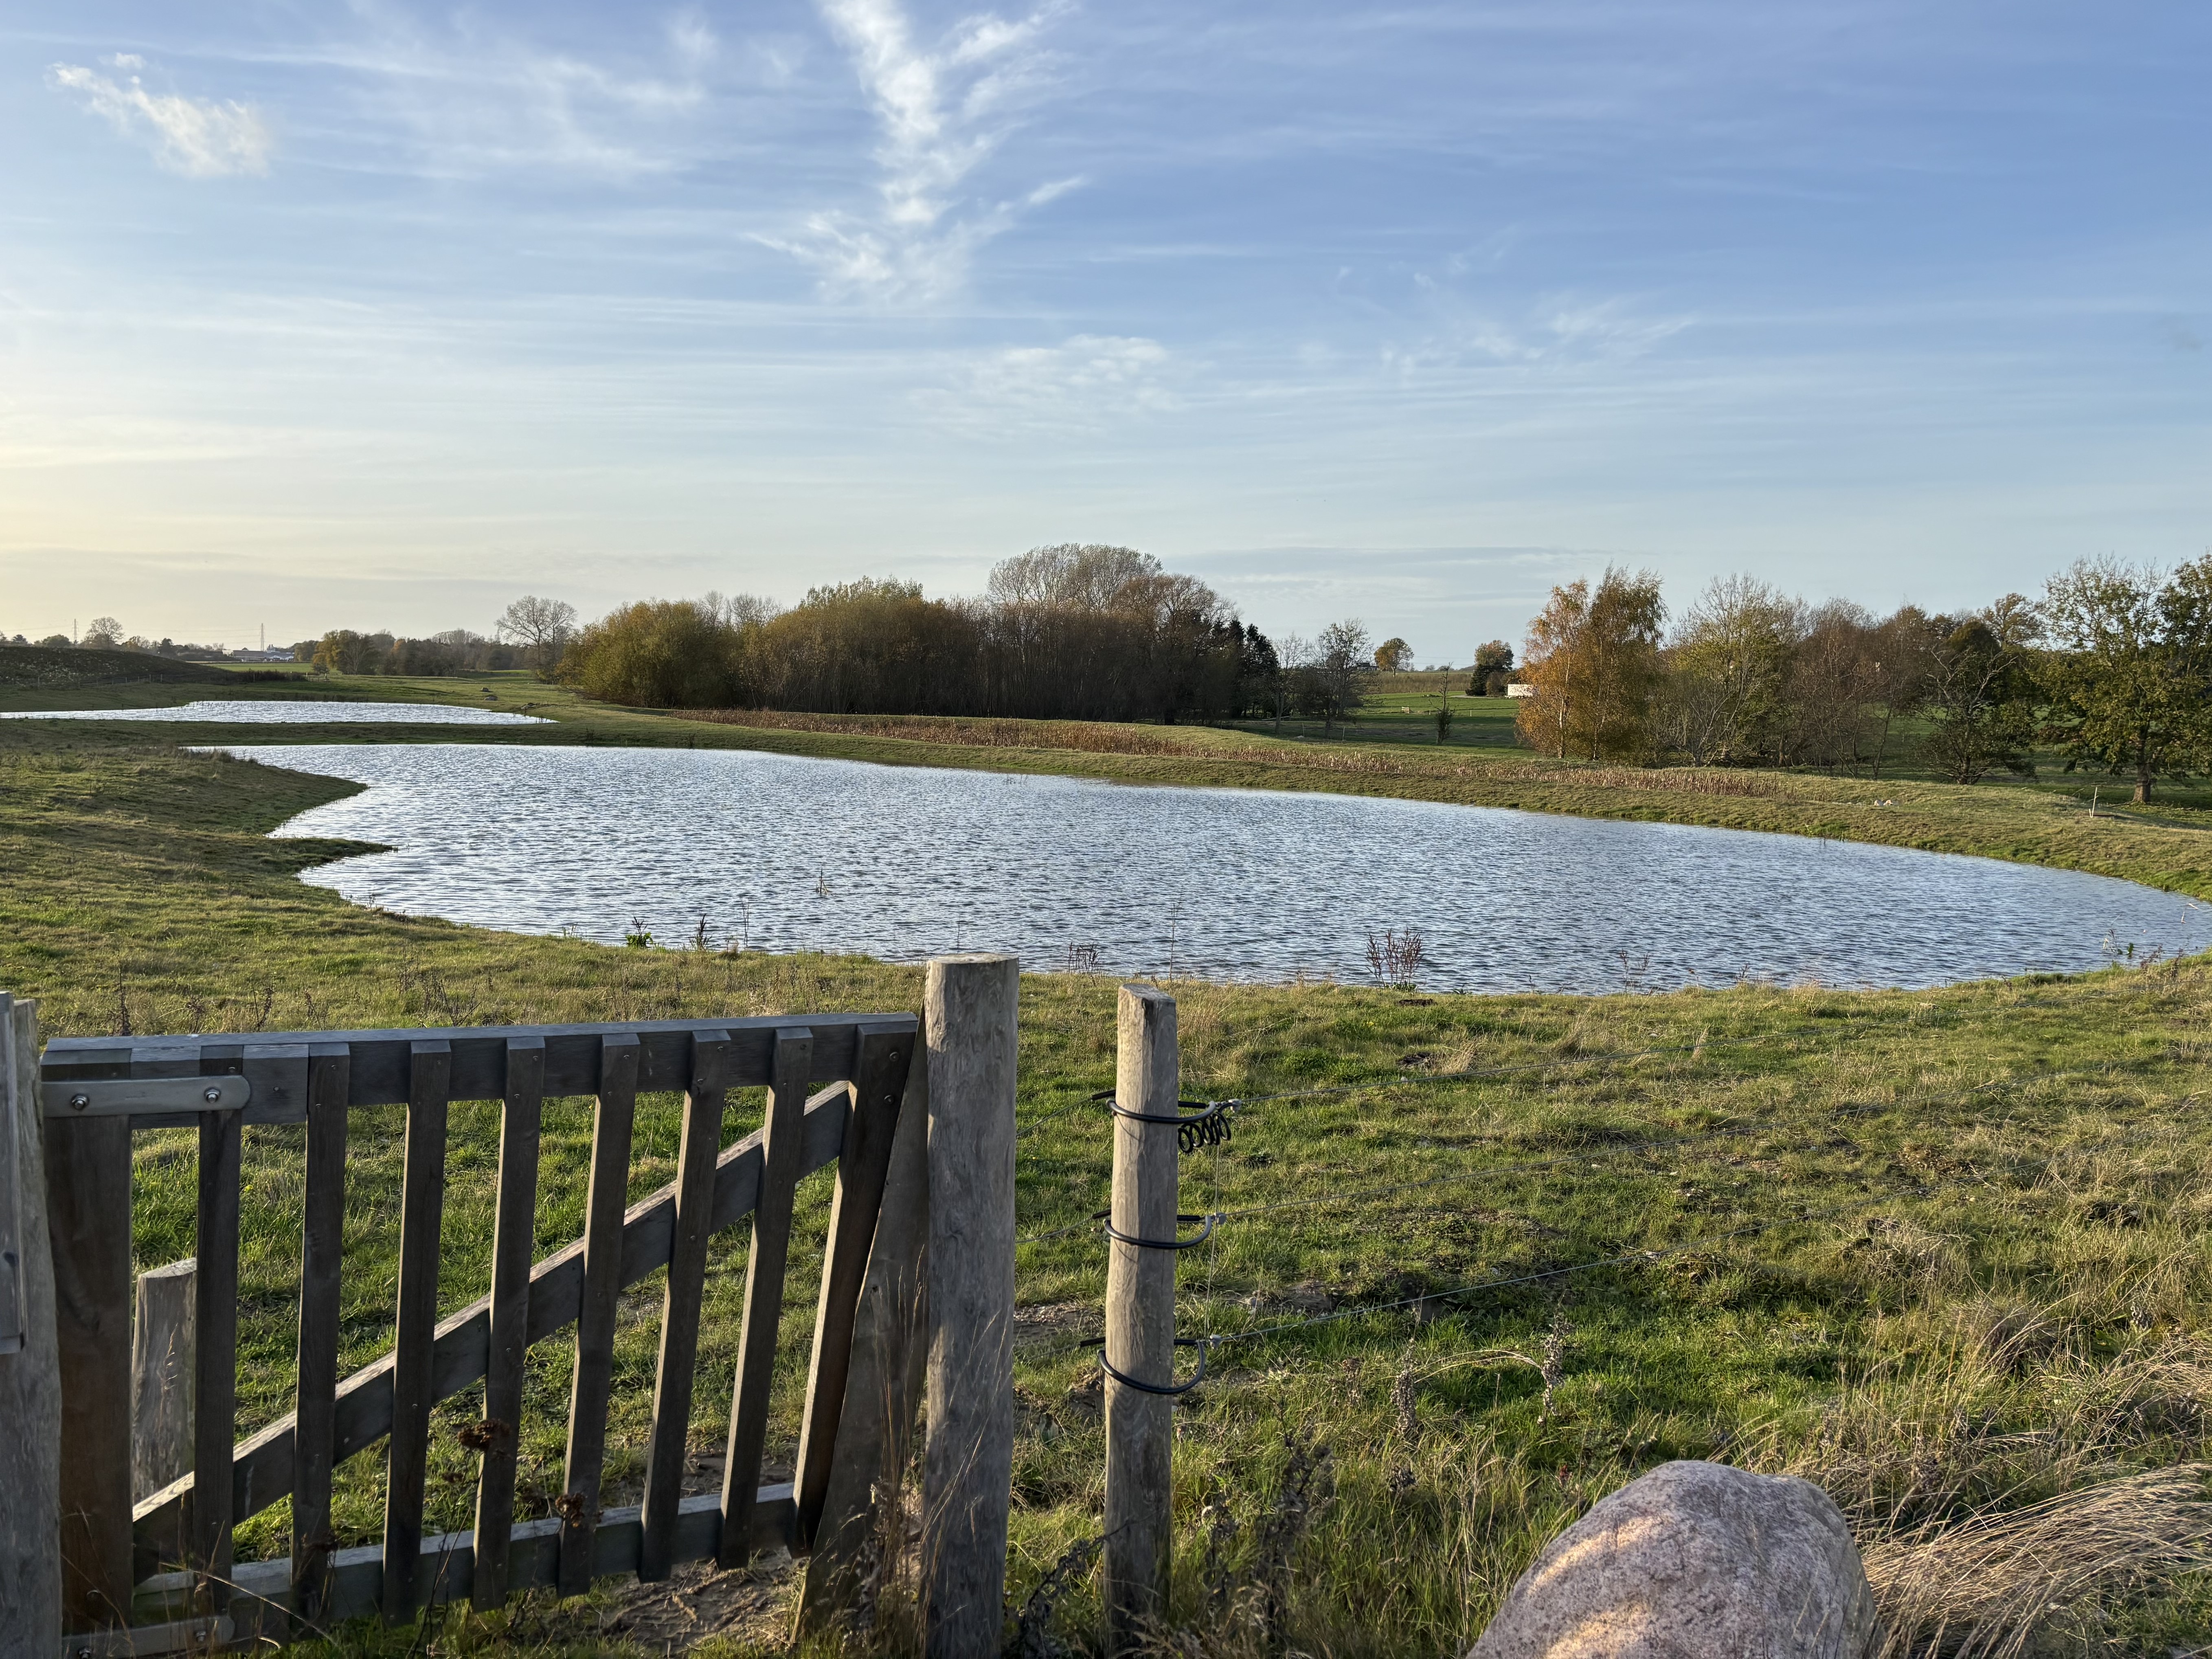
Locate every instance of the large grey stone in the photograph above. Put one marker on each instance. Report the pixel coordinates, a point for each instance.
(1693, 1561)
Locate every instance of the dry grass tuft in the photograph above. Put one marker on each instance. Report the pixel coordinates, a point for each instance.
(1990, 1587)
(977, 731)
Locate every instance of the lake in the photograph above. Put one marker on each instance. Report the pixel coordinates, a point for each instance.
(781, 853)
(276, 712)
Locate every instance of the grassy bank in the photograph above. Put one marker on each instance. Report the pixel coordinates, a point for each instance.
(1949, 1253)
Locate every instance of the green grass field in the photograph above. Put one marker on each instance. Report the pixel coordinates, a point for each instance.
(1948, 1252)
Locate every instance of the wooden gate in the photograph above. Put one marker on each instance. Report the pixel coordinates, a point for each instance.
(166, 1565)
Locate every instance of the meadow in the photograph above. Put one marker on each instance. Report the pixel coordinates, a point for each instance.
(1483, 1258)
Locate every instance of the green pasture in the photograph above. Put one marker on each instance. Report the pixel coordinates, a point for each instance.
(1947, 1252)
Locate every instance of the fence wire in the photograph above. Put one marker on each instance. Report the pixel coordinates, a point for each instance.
(1405, 1079)
(1921, 1191)
(1593, 1157)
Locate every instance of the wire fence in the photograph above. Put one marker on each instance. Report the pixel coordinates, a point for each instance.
(1601, 1157)
(1408, 1079)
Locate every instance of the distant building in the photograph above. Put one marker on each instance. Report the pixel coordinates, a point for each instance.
(256, 654)
(1521, 688)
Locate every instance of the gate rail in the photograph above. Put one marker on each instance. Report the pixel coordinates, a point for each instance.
(96, 1092)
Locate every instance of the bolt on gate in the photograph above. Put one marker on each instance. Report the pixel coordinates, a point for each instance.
(167, 1559)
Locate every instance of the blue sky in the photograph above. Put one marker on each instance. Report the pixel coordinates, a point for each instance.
(380, 314)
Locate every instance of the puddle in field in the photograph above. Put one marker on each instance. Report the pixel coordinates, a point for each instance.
(273, 712)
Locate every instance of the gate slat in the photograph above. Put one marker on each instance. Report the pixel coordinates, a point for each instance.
(215, 1384)
(262, 1471)
(322, 1242)
(878, 1084)
(422, 1205)
(595, 1318)
(514, 1239)
(771, 1243)
(679, 1314)
(884, 1381)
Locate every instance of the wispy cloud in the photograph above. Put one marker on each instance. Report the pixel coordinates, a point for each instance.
(199, 138)
(1555, 331)
(1086, 381)
(942, 110)
(480, 98)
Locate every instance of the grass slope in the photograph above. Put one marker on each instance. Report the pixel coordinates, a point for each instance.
(1948, 1252)
(49, 669)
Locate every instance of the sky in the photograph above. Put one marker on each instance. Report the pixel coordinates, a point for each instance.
(381, 314)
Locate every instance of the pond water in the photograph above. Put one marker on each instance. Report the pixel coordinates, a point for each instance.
(274, 712)
(780, 853)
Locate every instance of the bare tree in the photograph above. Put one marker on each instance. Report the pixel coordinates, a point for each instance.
(1293, 656)
(544, 626)
(1727, 668)
(1329, 682)
(1089, 576)
(1834, 682)
(1899, 652)
(1980, 691)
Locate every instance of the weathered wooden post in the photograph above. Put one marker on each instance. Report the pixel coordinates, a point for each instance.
(971, 1021)
(162, 1378)
(88, 1225)
(30, 1364)
(1140, 1281)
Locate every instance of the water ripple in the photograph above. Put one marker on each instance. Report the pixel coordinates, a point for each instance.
(278, 712)
(781, 853)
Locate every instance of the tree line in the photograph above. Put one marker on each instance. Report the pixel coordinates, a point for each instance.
(1063, 632)
(2111, 667)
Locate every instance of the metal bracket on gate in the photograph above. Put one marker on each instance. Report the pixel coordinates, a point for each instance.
(125, 1096)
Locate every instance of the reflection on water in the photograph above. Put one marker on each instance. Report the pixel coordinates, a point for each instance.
(780, 853)
(274, 712)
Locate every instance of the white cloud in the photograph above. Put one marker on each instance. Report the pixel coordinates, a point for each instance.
(943, 111)
(1084, 382)
(199, 138)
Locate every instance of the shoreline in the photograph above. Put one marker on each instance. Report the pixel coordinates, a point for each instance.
(2164, 847)
(1685, 937)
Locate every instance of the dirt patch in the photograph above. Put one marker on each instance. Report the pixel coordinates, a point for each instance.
(1066, 1322)
(751, 1605)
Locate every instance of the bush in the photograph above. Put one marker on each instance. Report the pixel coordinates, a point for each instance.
(659, 653)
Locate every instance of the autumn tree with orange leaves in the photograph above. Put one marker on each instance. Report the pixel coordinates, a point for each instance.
(1594, 659)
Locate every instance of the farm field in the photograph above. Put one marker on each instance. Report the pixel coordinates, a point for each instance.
(1946, 1252)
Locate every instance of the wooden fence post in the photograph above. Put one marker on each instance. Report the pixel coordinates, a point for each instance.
(88, 1224)
(161, 1376)
(30, 1375)
(971, 1020)
(1140, 1317)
